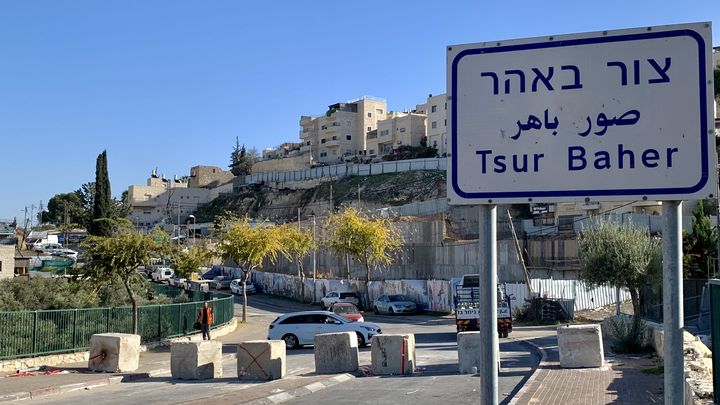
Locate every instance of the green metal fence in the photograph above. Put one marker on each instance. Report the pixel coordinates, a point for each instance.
(35, 333)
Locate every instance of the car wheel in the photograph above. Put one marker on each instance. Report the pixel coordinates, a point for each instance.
(291, 341)
(377, 312)
(391, 311)
(361, 340)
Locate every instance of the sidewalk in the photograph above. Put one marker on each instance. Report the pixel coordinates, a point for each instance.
(621, 381)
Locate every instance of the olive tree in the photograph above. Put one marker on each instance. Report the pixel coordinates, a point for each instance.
(187, 261)
(297, 243)
(371, 241)
(619, 255)
(249, 244)
(117, 257)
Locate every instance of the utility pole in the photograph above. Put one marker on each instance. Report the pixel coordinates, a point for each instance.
(331, 200)
(298, 218)
(314, 262)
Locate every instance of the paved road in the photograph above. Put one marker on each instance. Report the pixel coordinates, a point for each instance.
(436, 352)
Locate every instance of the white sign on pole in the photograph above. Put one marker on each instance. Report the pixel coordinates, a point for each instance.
(607, 116)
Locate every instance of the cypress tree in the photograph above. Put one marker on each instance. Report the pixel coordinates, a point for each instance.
(102, 205)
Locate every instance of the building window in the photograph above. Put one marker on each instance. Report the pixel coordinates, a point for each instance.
(379, 111)
(323, 140)
(384, 132)
(433, 108)
(334, 138)
(369, 115)
(323, 154)
(434, 124)
(372, 151)
(435, 144)
(446, 105)
(565, 222)
(307, 143)
(348, 137)
(369, 129)
(402, 129)
(323, 127)
(445, 123)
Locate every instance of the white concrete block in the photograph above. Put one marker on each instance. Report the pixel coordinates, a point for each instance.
(580, 346)
(469, 359)
(393, 354)
(261, 360)
(336, 353)
(199, 360)
(114, 352)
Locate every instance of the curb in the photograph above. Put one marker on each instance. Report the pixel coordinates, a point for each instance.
(543, 363)
(302, 391)
(100, 382)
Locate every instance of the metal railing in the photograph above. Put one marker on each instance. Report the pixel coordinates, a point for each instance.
(35, 333)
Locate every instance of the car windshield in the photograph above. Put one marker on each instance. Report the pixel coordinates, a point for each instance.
(345, 309)
(396, 298)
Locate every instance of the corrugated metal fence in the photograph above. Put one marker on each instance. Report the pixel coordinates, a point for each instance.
(585, 298)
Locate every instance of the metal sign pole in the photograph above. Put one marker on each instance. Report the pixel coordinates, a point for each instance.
(673, 302)
(714, 286)
(488, 305)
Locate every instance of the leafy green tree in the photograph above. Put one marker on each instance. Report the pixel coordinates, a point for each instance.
(117, 258)
(249, 245)
(102, 204)
(185, 262)
(619, 255)
(372, 241)
(700, 246)
(68, 204)
(297, 244)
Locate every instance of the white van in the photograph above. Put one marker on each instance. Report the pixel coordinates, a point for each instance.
(162, 274)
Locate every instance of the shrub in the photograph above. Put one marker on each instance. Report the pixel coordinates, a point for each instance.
(628, 336)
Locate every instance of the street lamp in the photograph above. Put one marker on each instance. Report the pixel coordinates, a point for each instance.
(194, 230)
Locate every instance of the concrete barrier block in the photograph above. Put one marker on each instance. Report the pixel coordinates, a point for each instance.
(261, 360)
(393, 354)
(580, 346)
(114, 352)
(469, 352)
(200, 360)
(336, 353)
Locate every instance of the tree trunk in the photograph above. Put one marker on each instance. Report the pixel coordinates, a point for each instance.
(635, 299)
(301, 273)
(244, 283)
(133, 302)
(367, 304)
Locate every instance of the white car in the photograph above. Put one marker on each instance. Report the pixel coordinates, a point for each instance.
(236, 287)
(339, 296)
(162, 274)
(300, 328)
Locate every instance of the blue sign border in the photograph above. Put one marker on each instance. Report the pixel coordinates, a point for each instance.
(595, 192)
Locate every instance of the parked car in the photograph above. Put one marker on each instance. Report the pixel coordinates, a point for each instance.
(177, 281)
(236, 287)
(47, 247)
(394, 304)
(162, 274)
(300, 328)
(221, 282)
(348, 311)
(339, 296)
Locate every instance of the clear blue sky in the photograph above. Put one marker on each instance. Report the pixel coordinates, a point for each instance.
(172, 83)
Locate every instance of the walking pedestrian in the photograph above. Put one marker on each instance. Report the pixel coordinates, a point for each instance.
(205, 318)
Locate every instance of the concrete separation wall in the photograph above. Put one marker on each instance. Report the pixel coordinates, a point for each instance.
(432, 295)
